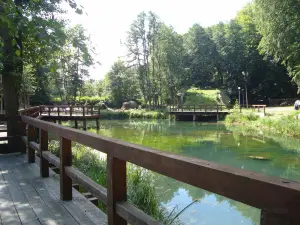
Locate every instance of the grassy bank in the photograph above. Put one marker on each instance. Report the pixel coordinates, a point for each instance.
(134, 113)
(140, 186)
(287, 124)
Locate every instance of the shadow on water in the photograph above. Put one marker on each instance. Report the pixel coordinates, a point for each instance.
(234, 146)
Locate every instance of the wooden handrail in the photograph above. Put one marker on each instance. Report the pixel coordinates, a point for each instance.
(277, 197)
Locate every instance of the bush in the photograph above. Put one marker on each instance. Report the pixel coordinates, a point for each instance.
(134, 113)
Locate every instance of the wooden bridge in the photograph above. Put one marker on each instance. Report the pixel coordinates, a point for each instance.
(195, 112)
(31, 194)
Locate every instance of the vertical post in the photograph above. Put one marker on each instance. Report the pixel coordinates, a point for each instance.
(44, 164)
(70, 110)
(76, 124)
(92, 110)
(58, 110)
(97, 124)
(65, 160)
(264, 110)
(83, 111)
(116, 189)
(23, 133)
(49, 110)
(31, 152)
(99, 110)
(84, 124)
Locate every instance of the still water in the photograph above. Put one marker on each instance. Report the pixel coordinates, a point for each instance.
(212, 142)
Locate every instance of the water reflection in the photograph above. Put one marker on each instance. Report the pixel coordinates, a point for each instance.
(238, 147)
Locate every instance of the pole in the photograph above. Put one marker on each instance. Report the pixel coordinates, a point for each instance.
(239, 97)
(246, 95)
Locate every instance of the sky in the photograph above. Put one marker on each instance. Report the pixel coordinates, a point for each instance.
(108, 21)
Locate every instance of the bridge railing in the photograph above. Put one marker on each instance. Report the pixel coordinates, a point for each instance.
(199, 108)
(59, 110)
(277, 198)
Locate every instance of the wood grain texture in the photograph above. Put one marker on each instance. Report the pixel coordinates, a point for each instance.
(44, 164)
(116, 189)
(65, 160)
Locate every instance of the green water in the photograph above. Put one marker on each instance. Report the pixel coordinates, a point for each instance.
(215, 143)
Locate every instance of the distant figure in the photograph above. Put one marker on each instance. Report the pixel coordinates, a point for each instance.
(297, 105)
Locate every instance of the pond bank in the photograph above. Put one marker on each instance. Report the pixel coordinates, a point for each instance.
(288, 125)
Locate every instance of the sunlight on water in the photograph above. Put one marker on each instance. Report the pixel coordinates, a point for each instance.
(236, 147)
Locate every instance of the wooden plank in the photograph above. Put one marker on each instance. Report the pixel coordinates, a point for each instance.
(116, 189)
(88, 184)
(44, 163)
(31, 152)
(65, 160)
(134, 215)
(82, 210)
(254, 189)
(268, 218)
(8, 211)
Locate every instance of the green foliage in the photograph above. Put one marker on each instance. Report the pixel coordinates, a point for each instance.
(278, 22)
(94, 100)
(134, 113)
(194, 96)
(241, 118)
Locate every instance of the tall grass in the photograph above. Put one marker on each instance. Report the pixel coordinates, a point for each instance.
(140, 182)
(284, 125)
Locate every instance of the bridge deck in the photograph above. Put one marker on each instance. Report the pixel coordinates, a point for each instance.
(25, 198)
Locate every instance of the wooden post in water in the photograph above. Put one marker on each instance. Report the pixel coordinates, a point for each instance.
(116, 189)
(44, 164)
(97, 124)
(65, 160)
(31, 152)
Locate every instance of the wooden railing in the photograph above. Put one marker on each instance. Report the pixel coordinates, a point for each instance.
(279, 199)
(60, 110)
(199, 108)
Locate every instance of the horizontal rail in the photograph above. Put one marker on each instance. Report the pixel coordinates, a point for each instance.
(126, 210)
(254, 189)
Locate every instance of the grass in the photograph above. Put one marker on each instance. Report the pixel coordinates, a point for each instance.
(133, 113)
(194, 96)
(276, 122)
(140, 186)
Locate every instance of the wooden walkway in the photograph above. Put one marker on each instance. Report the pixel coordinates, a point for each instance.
(25, 198)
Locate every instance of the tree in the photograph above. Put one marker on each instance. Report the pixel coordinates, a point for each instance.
(122, 83)
(279, 24)
(22, 21)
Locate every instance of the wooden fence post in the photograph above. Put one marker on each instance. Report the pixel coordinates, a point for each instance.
(70, 110)
(83, 111)
(44, 164)
(23, 133)
(49, 111)
(92, 110)
(58, 110)
(31, 151)
(65, 160)
(116, 189)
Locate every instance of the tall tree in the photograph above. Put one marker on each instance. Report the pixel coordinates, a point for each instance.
(279, 24)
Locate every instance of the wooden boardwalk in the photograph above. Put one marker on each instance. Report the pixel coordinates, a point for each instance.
(25, 198)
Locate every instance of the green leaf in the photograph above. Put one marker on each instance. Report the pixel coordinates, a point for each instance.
(18, 52)
(13, 42)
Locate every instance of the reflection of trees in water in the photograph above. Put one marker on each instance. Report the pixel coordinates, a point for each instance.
(167, 189)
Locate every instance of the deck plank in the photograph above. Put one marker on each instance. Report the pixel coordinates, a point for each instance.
(25, 198)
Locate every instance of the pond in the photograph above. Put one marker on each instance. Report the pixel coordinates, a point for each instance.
(212, 142)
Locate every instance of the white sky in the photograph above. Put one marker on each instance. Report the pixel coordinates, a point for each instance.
(108, 21)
